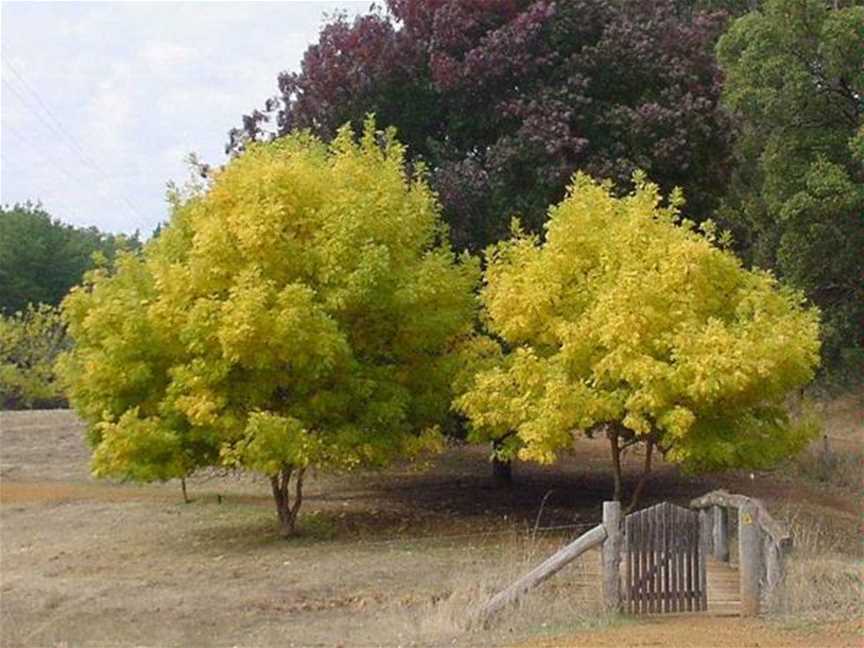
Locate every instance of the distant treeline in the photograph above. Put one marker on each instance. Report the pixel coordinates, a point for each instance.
(41, 258)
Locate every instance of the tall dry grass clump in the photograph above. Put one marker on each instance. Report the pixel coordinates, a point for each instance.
(568, 601)
(839, 464)
(825, 571)
(824, 582)
(837, 459)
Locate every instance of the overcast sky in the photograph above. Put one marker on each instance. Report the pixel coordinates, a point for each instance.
(102, 101)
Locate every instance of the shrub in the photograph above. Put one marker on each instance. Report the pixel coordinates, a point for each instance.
(30, 341)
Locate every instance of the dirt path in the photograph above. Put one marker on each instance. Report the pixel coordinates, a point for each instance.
(388, 559)
(708, 632)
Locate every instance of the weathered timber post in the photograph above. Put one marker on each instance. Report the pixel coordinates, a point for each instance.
(763, 543)
(775, 569)
(610, 556)
(720, 528)
(749, 558)
(706, 532)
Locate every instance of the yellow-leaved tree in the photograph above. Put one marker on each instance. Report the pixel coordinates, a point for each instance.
(627, 321)
(300, 311)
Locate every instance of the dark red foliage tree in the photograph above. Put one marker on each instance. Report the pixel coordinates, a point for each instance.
(505, 100)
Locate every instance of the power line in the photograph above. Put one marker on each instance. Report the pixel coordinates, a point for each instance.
(54, 130)
(73, 179)
(44, 158)
(10, 162)
(58, 129)
(43, 155)
(57, 124)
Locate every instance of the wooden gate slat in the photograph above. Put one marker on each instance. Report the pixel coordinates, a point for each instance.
(673, 603)
(658, 564)
(670, 550)
(637, 564)
(655, 580)
(703, 573)
(627, 539)
(697, 570)
(664, 567)
(637, 541)
(691, 551)
(679, 564)
(673, 590)
(691, 581)
(664, 557)
(643, 583)
(661, 557)
(643, 563)
(667, 548)
(688, 570)
(682, 592)
(652, 563)
(685, 538)
(637, 533)
(634, 594)
(628, 564)
(649, 561)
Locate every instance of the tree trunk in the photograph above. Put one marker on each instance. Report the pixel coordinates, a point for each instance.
(183, 488)
(502, 472)
(647, 469)
(502, 469)
(287, 509)
(612, 434)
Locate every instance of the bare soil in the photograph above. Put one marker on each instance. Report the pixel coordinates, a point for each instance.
(380, 561)
(708, 632)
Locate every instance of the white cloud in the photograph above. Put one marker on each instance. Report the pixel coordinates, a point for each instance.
(162, 54)
(134, 87)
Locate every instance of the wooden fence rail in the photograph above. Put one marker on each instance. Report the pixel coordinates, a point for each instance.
(546, 569)
(665, 549)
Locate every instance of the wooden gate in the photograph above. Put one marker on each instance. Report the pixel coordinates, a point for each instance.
(664, 563)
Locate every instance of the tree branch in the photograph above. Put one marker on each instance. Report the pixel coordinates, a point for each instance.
(645, 471)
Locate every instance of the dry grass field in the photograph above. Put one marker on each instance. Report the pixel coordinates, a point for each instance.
(387, 559)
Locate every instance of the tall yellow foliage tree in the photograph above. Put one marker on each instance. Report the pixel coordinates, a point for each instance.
(298, 312)
(627, 321)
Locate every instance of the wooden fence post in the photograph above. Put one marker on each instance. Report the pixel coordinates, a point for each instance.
(775, 568)
(763, 543)
(706, 532)
(610, 554)
(720, 529)
(750, 548)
